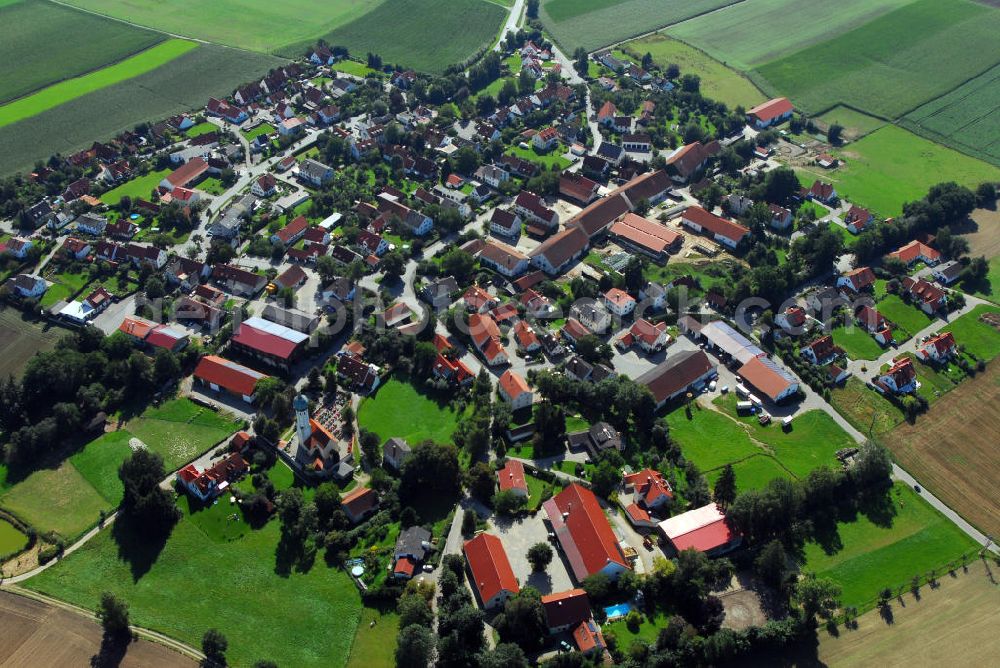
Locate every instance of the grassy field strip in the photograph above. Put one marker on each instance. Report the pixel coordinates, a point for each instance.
(42, 43)
(733, 34)
(57, 94)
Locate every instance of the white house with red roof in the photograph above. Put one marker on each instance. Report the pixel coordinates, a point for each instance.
(858, 219)
(875, 324)
(822, 350)
(793, 319)
(916, 250)
(929, 297)
(583, 531)
(770, 113)
(491, 575)
(588, 638)
(857, 280)
(650, 492)
(514, 390)
(359, 503)
(938, 348)
(703, 529)
(511, 478)
(566, 609)
(649, 337)
(899, 378)
(724, 231)
(486, 336)
(524, 334)
(619, 302)
(213, 481)
(477, 300)
(265, 186)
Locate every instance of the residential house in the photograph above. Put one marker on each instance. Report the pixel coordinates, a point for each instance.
(651, 338)
(606, 114)
(439, 292)
(916, 250)
(533, 208)
(577, 187)
(618, 302)
(510, 478)
(566, 610)
(591, 314)
(546, 139)
(492, 175)
(588, 638)
(503, 259)
(858, 219)
(395, 452)
(558, 252)
(505, 223)
(821, 351)
(875, 324)
(359, 503)
(899, 378)
(265, 186)
(412, 547)
(686, 161)
(929, 297)
(515, 390)
(17, 247)
(314, 173)
(238, 281)
(947, 272)
(938, 348)
(208, 484)
(486, 337)
(654, 294)
(857, 280)
(596, 439)
(477, 300)
(610, 152)
(793, 320)
(574, 330)
(822, 192)
(28, 286)
(372, 244)
(781, 218)
(491, 575)
(292, 232)
(142, 254)
(650, 493)
(363, 377)
(527, 340)
(76, 248)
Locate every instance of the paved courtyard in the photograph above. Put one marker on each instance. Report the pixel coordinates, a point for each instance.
(517, 537)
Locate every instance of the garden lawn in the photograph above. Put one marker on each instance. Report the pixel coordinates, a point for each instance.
(892, 166)
(98, 463)
(180, 430)
(139, 187)
(211, 185)
(353, 67)
(374, 645)
(11, 540)
(895, 63)
(977, 337)
(867, 410)
(990, 289)
(242, 575)
(752, 473)
(872, 557)
(733, 34)
(855, 123)
(905, 316)
(59, 500)
(262, 129)
(536, 488)
(201, 129)
(399, 409)
(61, 92)
(43, 43)
(856, 342)
(710, 439)
(427, 35)
(64, 286)
(546, 160)
(718, 82)
(257, 25)
(845, 234)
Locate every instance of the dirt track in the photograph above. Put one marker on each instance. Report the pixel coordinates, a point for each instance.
(37, 634)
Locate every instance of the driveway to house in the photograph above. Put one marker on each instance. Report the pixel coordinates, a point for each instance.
(111, 319)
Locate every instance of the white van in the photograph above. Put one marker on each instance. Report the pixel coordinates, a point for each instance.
(742, 391)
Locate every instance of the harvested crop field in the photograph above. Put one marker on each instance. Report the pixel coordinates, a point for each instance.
(952, 450)
(183, 84)
(967, 118)
(718, 82)
(733, 34)
(34, 36)
(258, 25)
(895, 63)
(20, 339)
(960, 615)
(39, 634)
(597, 23)
(427, 35)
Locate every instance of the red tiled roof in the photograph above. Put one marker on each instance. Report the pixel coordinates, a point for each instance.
(513, 384)
(511, 476)
(137, 327)
(404, 566)
(491, 571)
(360, 500)
(526, 336)
(585, 534)
(187, 172)
(566, 607)
(861, 277)
(943, 342)
(715, 224)
(588, 637)
(652, 236)
(162, 336)
(766, 377)
(234, 377)
(297, 226)
(618, 296)
(265, 342)
(575, 329)
(771, 109)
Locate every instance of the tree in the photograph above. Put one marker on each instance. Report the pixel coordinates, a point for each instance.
(834, 134)
(986, 195)
(780, 185)
(507, 502)
(540, 556)
(817, 596)
(725, 487)
(481, 481)
(770, 564)
(873, 466)
(414, 647)
(532, 9)
(505, 655)
(113, 614)
(393, 265)
(145, 501)
(214, 646)
(522, 621)
(581, 61)
(469, 518)
(605, 478)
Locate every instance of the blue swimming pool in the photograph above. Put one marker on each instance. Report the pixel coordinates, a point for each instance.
(617, 611)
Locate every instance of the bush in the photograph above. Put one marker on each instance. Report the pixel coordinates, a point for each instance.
(633, 620)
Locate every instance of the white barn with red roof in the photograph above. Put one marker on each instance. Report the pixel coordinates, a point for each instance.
(222, 374)
(703, 529)
(584, 533)
(491, 575)
(770, 113)
(722, 230)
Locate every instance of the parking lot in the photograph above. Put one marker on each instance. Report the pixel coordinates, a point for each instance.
(517, 537)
